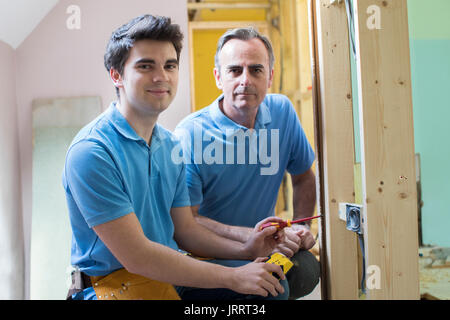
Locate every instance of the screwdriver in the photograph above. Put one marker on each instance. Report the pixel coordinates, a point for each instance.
(287, 223)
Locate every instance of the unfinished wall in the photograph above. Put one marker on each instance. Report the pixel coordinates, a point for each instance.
(11, 233)
(429, 29)
(429, 33)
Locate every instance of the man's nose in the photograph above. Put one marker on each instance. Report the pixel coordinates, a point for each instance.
(245, 78)
(160, 75)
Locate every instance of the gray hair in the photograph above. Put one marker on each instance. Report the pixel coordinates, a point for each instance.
(245, 34)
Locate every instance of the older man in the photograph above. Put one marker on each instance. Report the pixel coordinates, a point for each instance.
(237, 150)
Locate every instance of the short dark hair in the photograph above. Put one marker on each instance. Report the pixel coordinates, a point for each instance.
(245, 34)
(140, 28)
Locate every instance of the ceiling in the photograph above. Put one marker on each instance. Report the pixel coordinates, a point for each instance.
(18, 18)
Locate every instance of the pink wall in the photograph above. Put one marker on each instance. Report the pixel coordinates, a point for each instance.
(57, 62)
(11, 232)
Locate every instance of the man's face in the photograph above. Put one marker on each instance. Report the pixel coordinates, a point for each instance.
(150, 77)
(244, 75)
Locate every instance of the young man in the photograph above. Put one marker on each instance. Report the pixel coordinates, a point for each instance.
(238, 148)
(128, 201)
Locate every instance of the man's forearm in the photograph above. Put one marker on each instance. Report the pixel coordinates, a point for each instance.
(304, 194)
(154, 260)
(202, 241)
(175, 268)
(241, 234)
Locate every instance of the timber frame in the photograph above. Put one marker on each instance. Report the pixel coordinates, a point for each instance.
(316, 76)
(389, 196)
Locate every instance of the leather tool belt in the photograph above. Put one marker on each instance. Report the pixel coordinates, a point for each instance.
(123, 285)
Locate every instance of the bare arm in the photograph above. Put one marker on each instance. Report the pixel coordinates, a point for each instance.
(304, 197)
(304, 194)
(155, 261)
(241, 234)
(195, 238)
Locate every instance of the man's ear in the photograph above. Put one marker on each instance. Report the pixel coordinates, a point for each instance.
(217, 77)
(116, 78)
(270, 78)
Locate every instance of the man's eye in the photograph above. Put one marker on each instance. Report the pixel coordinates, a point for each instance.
(257, 70)
(171, 66)
(144, 66)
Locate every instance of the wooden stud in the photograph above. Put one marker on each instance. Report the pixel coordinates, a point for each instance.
(387, 152)
(233, 5)
(260, 25)
(334, 145)
(191, 65)
(303, 94)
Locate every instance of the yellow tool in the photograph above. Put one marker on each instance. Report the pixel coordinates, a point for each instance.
(281, 260)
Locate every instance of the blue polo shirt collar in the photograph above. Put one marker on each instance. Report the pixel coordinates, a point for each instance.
(263, 117)
(124, 128)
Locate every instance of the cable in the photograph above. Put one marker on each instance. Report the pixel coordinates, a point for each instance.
(353, 217)
(351, 25)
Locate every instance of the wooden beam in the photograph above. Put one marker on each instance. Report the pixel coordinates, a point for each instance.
(332, 90)
(288, 29)
(304, 93)
(387, 151)
(191, 64)
(262, 26)
(213, 6)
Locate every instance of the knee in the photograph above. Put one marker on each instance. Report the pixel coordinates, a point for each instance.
(304, 275)
(282, 296)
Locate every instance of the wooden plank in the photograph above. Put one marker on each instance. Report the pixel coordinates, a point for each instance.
(273, 17)
(238, 6)
(289, 41)
(305, 81)
(260, 25)
(191, 65)
(334, 145)
(387, 152)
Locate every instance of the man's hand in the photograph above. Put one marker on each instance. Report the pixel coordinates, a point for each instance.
(297, 237)
(256, 278)
(291, 243)
(305, 235)
(262, 242)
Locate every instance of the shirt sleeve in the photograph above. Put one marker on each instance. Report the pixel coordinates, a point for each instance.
(181, 198)
(301, 156)
(193, 179)
(95, 183)
(194, 183)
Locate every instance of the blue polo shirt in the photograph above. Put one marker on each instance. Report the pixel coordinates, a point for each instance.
(110, 171)
(234, 173)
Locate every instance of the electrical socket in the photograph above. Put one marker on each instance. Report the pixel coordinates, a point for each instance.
(345, 210)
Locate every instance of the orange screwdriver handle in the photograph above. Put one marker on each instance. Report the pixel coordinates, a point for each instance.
(279, 225)
(286, 223)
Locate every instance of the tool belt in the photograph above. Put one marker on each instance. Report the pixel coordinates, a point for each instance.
(122, 285)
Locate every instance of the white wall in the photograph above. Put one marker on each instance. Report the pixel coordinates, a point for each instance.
(11, 231)
(55, 124)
